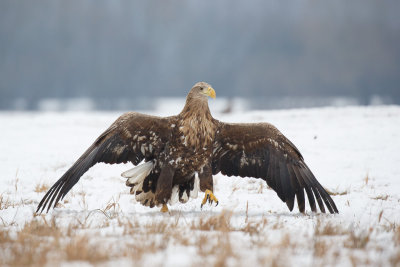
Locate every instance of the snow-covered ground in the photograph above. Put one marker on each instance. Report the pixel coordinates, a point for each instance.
(353, 152)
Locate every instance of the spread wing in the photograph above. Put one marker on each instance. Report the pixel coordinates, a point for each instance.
(132, 137)
(261, 151)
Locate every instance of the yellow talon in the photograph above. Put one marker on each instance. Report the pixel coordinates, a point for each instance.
(210, 197)
(164, 208)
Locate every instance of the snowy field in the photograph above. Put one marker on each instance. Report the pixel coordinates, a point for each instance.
(353, 152)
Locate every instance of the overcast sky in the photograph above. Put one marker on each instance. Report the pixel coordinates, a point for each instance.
(108, 50)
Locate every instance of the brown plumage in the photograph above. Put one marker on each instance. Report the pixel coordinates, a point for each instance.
(182, 152)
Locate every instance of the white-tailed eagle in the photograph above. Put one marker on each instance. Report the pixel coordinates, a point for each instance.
(182, 153)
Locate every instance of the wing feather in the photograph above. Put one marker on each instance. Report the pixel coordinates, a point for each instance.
(287, 187)
(299, 188)
(261, 151)
(307, 187)
(132, 137)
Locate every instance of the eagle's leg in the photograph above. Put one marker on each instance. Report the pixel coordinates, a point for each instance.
(206, 185)
(164, 208)
(210, 197)
(164, 186)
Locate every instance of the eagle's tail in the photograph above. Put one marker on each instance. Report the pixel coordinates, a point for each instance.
(137, 174)
(136, 178)
(138, 181)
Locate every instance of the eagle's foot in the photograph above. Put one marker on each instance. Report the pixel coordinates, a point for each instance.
(164, 208)
(210, 197)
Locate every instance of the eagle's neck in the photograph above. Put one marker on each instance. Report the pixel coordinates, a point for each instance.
(197, 124)
(196, 107)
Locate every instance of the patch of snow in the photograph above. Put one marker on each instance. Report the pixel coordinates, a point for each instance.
(353, 151)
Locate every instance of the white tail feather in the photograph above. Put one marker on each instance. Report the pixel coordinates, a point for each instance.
(174, 195)
(136, 177)
(137, 174)
(184, 198)
(194, 193)
(142, 197)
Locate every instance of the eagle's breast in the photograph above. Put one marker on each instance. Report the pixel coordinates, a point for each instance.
(192, 145)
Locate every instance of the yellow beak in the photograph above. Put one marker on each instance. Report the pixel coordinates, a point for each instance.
(211, 92)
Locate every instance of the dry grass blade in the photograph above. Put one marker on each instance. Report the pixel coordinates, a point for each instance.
(336, 193)
(5, 203)
(329, 229)
(396, 236)
(219, 222)
(39, 188)
(81, 249)
(381, 197)
(358, 240)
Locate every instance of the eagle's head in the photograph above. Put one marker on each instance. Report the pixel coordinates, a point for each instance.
(201, 90)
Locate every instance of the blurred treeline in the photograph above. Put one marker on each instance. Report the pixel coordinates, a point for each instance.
(113, 51)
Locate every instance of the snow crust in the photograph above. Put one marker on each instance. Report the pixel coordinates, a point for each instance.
(353, 152)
